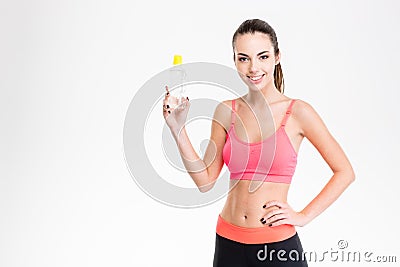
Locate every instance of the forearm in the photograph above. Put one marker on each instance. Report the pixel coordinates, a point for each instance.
(195, 166)
(331, 191)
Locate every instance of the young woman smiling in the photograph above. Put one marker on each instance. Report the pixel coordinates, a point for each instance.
(258, 136)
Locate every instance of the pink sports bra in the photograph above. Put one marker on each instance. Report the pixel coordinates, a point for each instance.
(271, 160)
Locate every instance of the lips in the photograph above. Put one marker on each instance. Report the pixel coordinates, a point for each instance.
(256, 78)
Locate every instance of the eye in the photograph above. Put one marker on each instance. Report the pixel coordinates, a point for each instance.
(264, 57)
(242, 59)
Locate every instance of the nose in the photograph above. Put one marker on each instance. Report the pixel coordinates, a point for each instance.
(253, 67)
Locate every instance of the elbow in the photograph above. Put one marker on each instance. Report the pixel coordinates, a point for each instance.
(351, 176)
(347, 173)
(203, 189)
(206, 187)
(346, 177)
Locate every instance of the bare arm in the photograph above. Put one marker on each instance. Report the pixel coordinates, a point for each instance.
(204, 172)
(317, 133)
(314, 129)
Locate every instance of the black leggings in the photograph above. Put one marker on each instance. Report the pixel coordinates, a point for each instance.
(229, 253)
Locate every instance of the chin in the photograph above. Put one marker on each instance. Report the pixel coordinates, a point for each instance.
(252, 86)
(257, 87)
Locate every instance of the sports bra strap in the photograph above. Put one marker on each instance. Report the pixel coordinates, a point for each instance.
(233, 115)
(288, 111)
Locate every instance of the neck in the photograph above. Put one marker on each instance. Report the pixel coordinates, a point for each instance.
(258, 98)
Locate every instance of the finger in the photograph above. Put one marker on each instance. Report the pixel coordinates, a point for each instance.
(167, 94)
(275, 203)
(271, 216)
(275, 218)
(167, 109)
(183, 99)
(165, 114)
(274, 212)
(166, 100)
(280, 222)
(184, 103)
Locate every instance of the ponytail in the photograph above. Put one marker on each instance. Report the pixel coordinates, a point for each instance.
(278, 78)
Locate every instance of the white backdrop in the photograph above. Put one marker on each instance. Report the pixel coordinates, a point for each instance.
(69, 69)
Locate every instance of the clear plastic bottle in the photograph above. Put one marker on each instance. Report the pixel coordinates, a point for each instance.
(177, 78)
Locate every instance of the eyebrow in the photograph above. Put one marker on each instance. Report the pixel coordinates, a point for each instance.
(243, 54)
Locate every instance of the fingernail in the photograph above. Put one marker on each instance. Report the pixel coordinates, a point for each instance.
(167, 106)
(264, 206)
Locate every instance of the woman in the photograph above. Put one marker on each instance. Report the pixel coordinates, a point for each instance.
(256, 219)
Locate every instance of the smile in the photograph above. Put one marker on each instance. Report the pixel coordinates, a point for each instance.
(255, 78)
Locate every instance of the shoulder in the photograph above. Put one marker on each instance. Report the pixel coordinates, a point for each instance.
(306, 116)
(222, 113)
(302, 108)
(224, 107)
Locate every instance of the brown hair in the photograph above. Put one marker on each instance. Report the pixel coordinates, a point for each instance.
(257, 25)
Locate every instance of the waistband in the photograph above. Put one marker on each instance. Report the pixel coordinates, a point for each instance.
(256, 176)
(257, 235)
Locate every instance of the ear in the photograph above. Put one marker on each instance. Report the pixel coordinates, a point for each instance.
(278, 58)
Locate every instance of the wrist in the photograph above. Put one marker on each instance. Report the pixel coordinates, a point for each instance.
(306, 218)
(177, 131)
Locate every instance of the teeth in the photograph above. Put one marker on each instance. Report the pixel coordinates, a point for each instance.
(255, 78)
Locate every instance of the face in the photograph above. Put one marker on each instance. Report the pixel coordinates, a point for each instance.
(255, 60)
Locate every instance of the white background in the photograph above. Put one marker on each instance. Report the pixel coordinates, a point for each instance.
(69, 69)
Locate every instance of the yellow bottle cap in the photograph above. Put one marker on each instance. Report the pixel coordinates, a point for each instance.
(177, 59)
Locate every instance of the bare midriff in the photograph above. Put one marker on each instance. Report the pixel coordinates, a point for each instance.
(245, 201)
(240, 219)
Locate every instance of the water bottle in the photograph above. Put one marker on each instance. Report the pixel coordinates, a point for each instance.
(177, 78)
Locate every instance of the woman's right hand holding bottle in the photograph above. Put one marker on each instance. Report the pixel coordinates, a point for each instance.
(175, 111)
